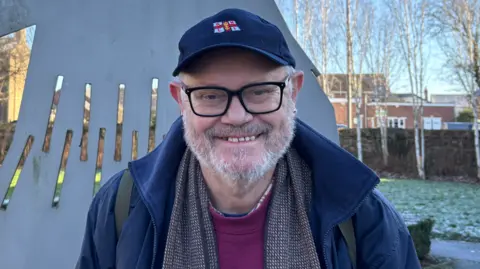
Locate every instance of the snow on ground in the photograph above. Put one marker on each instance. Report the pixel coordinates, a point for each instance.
(454, 206)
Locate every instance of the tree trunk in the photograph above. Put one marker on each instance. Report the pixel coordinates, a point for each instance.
(349, 66)
(417, 145)
(476, 136)
(422, 142)
(384, 138)
(359, 130)
(325, 47)
(383, 133)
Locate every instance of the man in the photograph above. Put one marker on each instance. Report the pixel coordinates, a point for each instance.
(239, 182)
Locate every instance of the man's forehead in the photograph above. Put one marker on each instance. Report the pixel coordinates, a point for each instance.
(231, 78)
(231, 58)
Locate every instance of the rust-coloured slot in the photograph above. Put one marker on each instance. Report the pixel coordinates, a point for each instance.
(98, 166)
(134, 145)
(52, 115)
(85, 123)
(119, 132)
(153, 115)
(18, 171)
(61, 170)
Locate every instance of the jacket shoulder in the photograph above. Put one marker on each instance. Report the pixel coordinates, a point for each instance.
(99, 238)
(383, 239)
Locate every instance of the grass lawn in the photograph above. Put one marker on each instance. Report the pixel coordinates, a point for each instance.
(58, 189)
(454, 206)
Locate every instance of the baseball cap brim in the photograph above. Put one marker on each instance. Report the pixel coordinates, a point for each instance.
(189, 60)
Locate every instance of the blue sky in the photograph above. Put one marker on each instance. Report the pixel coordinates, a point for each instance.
(435, 82)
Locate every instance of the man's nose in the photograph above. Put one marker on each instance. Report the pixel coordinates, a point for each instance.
(236, 113)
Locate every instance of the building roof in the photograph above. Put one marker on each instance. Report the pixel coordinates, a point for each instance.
(338, 83)
(459, 99)
(404, 97)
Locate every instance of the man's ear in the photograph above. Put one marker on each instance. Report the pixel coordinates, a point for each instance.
(297, 84)
(176, 92)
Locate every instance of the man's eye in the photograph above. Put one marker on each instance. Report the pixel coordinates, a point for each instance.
(261, 91)
(210, 97)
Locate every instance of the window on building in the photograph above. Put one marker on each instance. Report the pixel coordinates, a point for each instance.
(432, 123)
(396, 122)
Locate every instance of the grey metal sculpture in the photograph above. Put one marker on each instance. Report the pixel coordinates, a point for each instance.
(105, 43)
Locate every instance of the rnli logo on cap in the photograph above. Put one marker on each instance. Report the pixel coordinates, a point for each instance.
(225, 26)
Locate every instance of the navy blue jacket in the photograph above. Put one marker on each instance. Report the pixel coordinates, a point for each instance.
(343, 187)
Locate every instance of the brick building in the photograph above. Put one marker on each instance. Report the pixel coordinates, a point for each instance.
(399, 114)
(397, 108)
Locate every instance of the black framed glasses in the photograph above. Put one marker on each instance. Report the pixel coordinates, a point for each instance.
(256, 98)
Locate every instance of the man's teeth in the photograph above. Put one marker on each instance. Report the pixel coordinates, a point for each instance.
(240, 139)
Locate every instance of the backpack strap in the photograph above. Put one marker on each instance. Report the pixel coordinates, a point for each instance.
(122, 201)
(348, 233)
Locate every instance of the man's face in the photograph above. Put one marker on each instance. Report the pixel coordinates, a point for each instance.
(238, 145)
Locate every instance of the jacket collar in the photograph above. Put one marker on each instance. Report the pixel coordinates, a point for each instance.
(340, 181)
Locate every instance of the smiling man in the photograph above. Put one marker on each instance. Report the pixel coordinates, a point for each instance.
(239, 181)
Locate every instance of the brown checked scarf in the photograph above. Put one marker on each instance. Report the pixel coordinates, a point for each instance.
(289, 243)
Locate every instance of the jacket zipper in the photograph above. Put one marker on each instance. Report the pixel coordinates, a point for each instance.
(344, 219)
(155, 243)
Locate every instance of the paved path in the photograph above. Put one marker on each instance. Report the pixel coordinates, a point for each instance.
(456, 249)
(466, 255)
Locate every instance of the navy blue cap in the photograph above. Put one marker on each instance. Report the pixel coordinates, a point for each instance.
(233, 28)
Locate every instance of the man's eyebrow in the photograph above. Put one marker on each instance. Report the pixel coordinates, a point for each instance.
(269, 78)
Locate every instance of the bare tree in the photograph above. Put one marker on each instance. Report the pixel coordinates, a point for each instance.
(458, 33)
(325, 15)
(12, 61)
(410, 18)
(295, 9)
(355, 31)
(363, 15)
(349, 24)
(383, 62)
(320, 30)
(6, 45)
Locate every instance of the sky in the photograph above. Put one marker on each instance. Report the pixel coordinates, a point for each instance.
(436, 83)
